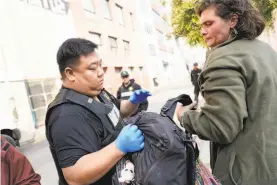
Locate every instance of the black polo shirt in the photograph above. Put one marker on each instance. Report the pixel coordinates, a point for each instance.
(76, 132)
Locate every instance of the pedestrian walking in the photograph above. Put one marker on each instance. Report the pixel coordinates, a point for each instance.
(194, 80)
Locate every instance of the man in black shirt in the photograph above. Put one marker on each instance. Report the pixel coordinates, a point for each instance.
(83, 124)
(126, 90)
(194, 80)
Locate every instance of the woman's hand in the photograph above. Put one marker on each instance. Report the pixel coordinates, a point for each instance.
(180, 109)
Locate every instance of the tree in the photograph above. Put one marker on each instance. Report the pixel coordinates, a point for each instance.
(185, 22)
(266, 7)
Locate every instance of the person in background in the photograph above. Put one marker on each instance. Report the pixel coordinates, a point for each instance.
(194, 80)
(126, 90)
(239, 85)
(15, 167)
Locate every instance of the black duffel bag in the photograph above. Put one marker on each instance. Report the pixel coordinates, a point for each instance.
(169, 154)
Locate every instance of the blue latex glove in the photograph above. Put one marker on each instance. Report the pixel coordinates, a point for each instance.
(130, 139)
(139, 96)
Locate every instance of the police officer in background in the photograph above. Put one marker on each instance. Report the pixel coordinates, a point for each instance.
(194, 80)
(83, 124)
(126, 90)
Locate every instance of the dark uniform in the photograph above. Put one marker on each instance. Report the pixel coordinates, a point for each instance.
(124, 93)
(77, 125)
(194, 79)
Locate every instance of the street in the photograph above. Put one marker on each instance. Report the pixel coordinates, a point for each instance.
(39, 155)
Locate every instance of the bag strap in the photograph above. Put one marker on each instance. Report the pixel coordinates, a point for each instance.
(111, 97)
(191, 147)
(170, 106)
(191, 157)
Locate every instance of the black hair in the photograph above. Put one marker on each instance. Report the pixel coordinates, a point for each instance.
(71, 50)
(250, 22)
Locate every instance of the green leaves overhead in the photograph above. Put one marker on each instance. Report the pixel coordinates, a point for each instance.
(266, 7)
(185, 22)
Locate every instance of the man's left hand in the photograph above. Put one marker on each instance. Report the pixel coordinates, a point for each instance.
(139, 96)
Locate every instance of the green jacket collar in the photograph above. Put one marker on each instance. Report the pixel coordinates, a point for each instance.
(220, 45)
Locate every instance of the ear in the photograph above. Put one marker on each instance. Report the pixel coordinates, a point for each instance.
(69, 73)
(234, 21)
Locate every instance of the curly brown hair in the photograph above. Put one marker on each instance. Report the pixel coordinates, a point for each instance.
(250, 22)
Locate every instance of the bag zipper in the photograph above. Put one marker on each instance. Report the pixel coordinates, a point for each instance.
(157, 162)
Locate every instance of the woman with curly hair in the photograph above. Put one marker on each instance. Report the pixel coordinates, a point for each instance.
(239, 85)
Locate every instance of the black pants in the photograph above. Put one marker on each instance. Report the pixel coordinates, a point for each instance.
(196, 92)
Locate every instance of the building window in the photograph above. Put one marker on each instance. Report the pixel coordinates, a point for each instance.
(131, 69)
(105, 69)
(113, 45)
(119, 12)
(141, 73)
(55, 6)
(165, 65)
(144, 6)
(148, 28)
(35, 2)
(41, 93)
(2, 61)
(160, 37)
(155, 13)
(88, 6)
(132, 20)
(152, 50)
(157, 18)
(118, 70)
(107, 10)
(95, 38)
(127, 48)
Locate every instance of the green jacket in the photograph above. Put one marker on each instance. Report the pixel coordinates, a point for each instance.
(239, 85)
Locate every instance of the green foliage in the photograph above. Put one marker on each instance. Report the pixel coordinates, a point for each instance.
(266, 7)
(185, 22)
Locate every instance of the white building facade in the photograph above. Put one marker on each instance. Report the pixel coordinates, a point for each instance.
(31, 32)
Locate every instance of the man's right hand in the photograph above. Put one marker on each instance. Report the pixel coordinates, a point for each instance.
(130, 139)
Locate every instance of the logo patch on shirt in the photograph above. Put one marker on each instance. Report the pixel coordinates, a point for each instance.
(125, 94)
(90, 100)
(114, 115)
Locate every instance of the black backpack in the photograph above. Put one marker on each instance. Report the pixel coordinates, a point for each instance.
(169, 155)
